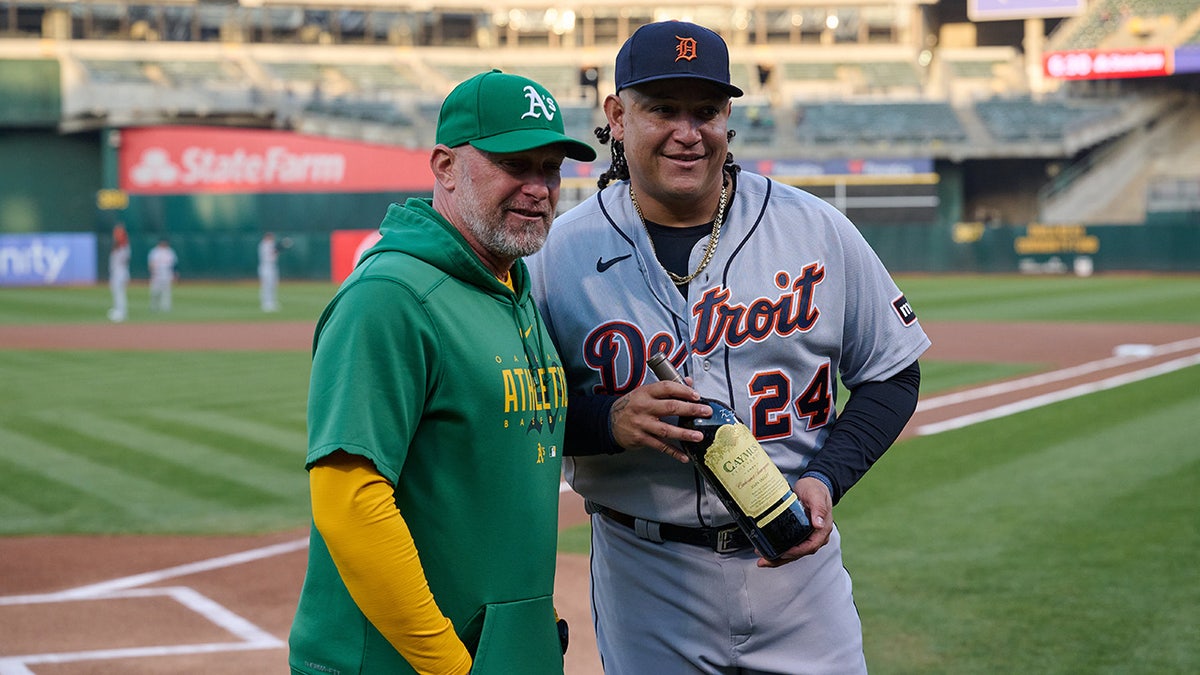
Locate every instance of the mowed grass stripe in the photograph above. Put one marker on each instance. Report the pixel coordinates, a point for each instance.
(1088, 471)
(25, 496)
(283, 409)
(1098, 443)
(191, 466)
(1078, 579)
(229, 430)
(263, 383)
(1029, 544)
(119, 494)
(178, 474)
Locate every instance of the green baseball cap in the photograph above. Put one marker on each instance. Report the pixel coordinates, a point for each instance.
(500, 112)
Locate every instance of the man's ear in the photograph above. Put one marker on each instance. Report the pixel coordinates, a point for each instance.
(614, 110)
(441, 163)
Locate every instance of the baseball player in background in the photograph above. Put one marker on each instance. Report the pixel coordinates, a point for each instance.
(118, 274)
(268, 273)
(162, 262)
(762, 294)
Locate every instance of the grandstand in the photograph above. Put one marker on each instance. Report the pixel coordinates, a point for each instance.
(826, 81)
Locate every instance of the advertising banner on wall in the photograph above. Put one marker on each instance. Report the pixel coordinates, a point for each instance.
(891, 167)
(188, 160)
(345, 248)
(47, 259)
(1108, 64)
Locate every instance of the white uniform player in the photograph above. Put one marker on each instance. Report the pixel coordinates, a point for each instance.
(118, 275)
(791, 297)
(268, 273)
(161, 261)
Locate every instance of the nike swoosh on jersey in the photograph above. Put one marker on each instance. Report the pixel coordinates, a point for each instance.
(602, 265)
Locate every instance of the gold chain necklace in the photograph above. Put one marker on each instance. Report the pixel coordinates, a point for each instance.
(713, 236)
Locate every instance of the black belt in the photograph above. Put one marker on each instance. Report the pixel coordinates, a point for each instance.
(728, 539)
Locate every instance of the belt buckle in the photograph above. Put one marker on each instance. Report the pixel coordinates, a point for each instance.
(727, 540)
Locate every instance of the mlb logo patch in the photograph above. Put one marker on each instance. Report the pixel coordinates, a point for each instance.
(908, 316)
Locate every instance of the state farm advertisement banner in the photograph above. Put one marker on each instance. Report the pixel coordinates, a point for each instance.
(187, 160)
(1108, 64)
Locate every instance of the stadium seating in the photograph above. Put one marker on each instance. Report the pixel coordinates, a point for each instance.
(207, 74)
(755, 123)
(1119, 23)
(117, 71)
(854, 82)
(878, 123)
(1023, 119)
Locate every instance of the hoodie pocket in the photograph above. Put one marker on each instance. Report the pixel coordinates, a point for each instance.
(519, 638)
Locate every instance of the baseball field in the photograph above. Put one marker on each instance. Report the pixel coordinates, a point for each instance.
(1041, 513)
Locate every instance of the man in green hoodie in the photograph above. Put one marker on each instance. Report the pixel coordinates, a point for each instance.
(435, 415)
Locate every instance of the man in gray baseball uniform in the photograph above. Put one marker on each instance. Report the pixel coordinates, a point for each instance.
(762, 295)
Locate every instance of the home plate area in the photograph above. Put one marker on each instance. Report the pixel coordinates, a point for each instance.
(101, 624)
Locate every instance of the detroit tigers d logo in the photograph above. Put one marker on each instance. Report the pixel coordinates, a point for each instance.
(539, 106)
(685, 50)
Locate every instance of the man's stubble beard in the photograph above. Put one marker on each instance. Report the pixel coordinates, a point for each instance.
(492, 232)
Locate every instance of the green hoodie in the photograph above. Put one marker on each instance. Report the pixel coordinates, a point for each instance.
(433, 369)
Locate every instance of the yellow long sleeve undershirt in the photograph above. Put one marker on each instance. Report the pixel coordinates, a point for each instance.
(355, 511)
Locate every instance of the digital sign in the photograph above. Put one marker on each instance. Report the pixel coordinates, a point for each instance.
(1003, 10)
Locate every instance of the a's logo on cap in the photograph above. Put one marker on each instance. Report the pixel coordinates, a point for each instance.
(686, 49)
(539, 106)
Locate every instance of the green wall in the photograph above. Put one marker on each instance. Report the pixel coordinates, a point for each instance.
(216, 235)
(971, 247)
(29, 92)
(48, 181)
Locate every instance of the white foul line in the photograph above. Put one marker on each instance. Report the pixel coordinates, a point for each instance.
(1055, 397)
(147, 578)
(1053, 376)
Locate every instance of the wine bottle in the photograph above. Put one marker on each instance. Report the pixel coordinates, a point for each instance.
(736, 467)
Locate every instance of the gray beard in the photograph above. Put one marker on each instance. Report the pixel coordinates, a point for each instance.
(490, 231)
(502, 241)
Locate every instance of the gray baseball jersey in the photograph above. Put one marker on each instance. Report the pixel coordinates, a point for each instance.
(793, 296)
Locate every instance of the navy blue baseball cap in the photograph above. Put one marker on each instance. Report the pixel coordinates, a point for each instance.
(674, 49)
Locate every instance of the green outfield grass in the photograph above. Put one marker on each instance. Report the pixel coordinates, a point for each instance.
(190, 302)
(192, 442)
(1059, 540)
(1123, 298)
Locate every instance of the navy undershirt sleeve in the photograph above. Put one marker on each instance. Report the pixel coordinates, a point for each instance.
(870, 422)
(588, 430)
